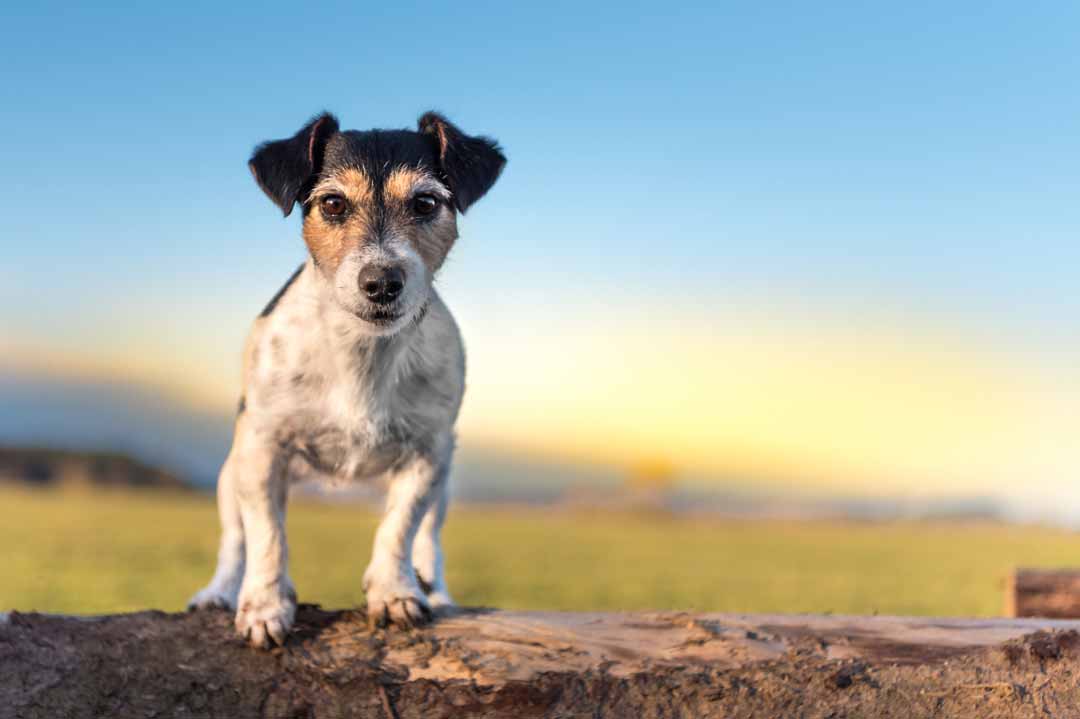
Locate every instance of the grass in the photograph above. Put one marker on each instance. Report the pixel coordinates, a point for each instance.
(95, 552)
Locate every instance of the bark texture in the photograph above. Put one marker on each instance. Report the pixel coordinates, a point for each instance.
(483, 663)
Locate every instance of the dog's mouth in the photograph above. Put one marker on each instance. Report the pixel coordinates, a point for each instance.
(379, 317)
(385, 317)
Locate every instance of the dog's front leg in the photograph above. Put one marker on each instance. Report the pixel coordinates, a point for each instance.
(223, 589)
(390, 583)
(267, 603)
(427, 551)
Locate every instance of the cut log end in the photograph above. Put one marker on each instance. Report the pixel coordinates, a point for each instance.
(1052, 593)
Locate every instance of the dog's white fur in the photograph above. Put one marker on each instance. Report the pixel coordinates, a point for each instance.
(328, 394)
(346, 379)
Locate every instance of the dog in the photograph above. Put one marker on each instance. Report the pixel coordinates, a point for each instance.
(355, 370)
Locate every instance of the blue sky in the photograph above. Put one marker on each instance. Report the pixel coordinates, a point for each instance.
(907, 170)
(838, 150)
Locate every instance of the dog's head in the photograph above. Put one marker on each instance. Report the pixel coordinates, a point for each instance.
(380, 207)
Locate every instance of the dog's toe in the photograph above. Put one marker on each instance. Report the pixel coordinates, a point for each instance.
(211, 598)
(265, 621)
(277, 630)
(409, 612)
(441, 603)
(405, 611)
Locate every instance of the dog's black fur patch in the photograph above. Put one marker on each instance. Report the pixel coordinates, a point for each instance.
(286, 170)
(377, 153)
(470, 164)
(281, 293)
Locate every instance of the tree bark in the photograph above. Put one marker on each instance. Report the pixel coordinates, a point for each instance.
(1043, 593)
(486, 663)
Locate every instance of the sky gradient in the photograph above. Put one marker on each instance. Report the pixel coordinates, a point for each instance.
(832, 246)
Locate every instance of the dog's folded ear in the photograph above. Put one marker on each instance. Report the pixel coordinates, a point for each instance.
(471, 164)
(284, 168)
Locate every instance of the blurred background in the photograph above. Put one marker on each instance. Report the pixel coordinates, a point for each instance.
(787, 291)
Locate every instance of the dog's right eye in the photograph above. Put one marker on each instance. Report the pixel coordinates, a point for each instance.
(333, 205)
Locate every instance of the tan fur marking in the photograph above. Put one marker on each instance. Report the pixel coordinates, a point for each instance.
(399, 185)
(434, 239)
(351, 182)
(404, 182)
(330, 241)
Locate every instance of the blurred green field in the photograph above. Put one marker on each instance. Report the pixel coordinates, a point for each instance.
(93, 552)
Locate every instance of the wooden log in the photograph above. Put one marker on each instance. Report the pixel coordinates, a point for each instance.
(1053, 593)
(486, 663)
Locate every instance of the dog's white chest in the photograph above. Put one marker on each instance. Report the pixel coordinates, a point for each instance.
(345, 405)
(347, 435)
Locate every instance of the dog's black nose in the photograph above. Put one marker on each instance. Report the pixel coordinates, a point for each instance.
(382, 285)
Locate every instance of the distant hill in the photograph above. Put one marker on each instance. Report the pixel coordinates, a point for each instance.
(42, 410)
(53, 467)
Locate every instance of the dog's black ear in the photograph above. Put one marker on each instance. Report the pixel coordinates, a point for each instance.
(471, 164)
(284, 167)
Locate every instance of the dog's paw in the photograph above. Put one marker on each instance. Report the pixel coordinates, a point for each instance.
(403, 611)
(438, 598)
(265, 617)
(395, 600)
(440, 601)
(212, 598)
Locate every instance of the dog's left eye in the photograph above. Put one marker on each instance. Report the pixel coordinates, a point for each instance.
(333, 205)
(424, 204)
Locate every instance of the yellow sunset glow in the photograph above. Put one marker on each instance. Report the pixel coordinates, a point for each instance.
(831, 407)
(762, 400)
